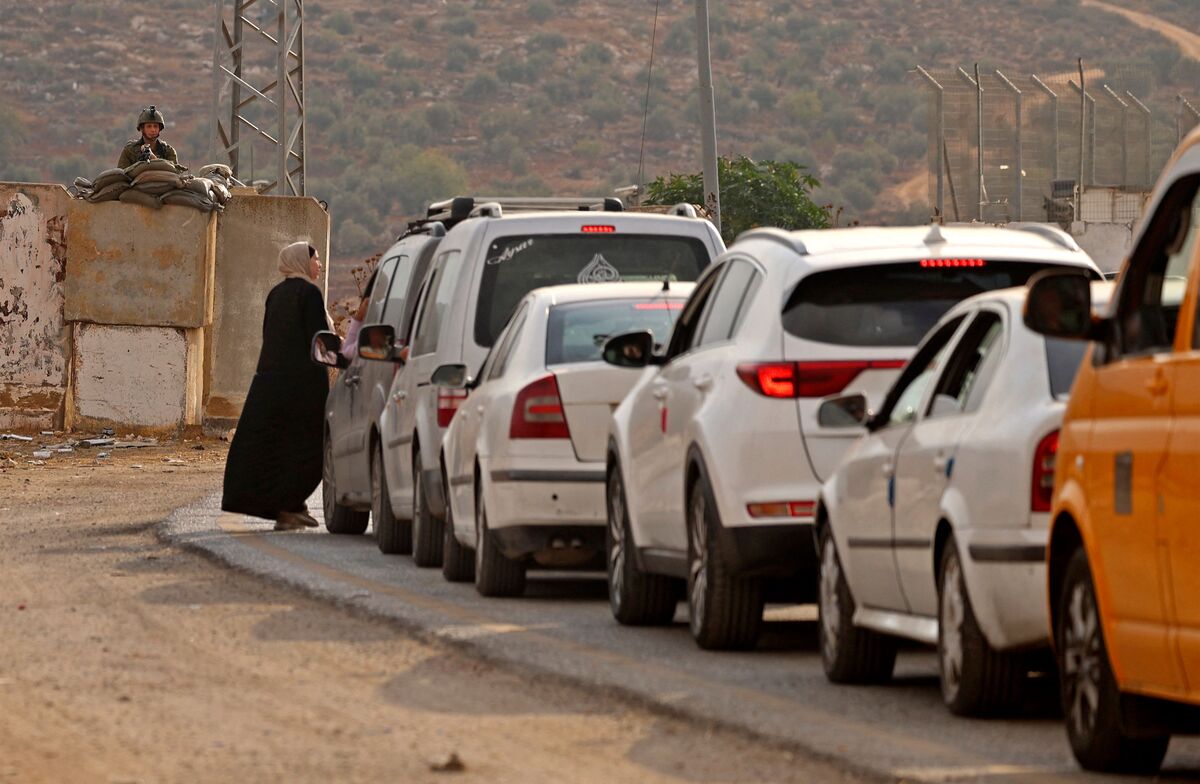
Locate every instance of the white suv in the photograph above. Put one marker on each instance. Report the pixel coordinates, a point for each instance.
(484, 266)
(717, 455)
(935, 525)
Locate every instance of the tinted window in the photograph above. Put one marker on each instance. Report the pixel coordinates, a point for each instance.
(966, 363)
(1062, 360)
(726, 304)
(436, 309)
(890, 304)
(401, 275)
(576, 332)
(685, 334)
(517, 265)
(504, 350)
(900, 406)
(377, 287)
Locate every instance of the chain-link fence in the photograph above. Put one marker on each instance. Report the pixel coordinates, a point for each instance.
(1009, 147)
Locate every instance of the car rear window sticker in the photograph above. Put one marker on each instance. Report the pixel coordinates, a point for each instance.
(510, 253)
(599, 270)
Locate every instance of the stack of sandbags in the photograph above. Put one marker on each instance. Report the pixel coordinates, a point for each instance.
(108, 186)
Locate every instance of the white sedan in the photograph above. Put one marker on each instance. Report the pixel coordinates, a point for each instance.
(934, 526)
(523, 458)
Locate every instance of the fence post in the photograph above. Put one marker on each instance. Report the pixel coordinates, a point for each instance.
(974, 85)
(1184, 105)
(1147, 130)
(1087, 136)
(940, 132)
(1019, 174)
(1124, 107)
(1054, 113)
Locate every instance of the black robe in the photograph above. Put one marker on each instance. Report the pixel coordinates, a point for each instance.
(274, 462)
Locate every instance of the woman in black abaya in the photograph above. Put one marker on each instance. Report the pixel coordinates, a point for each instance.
(274, 462)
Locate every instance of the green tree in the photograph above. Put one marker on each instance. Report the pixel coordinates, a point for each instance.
(753, 193)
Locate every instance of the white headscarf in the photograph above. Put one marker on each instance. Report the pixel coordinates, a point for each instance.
(293, 261)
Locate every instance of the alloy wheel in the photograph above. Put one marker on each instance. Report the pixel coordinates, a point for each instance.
(328, 491)
(1081, 659)
(698, 568)
(953, 613)
(828, 595)
(616, 530)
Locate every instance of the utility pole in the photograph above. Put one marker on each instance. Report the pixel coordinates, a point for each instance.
(708, 116)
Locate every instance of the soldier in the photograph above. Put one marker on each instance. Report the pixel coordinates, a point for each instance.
(148, 147)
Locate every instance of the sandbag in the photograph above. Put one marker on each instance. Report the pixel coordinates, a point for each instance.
(134, 196)
(219, 169)
(156, 165)
(200, 186)
(108, 192)
(152, 176)
(186, 198)
(155, 188)
(220, 193)
(84, 184)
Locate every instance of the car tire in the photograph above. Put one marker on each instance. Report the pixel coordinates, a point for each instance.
(724, 611)
(495, 575)
(458, 562)
(1090, 697)
(426, 529)
(976, 679)
(391, 535)
(848, 653)
(635, 597)
(338, 519)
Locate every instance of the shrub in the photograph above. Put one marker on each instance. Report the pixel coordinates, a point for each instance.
(460, 25)
(340, 23)
(540, 10)
(762, 94)
(596, 53)
(545, 42)
(441, 117)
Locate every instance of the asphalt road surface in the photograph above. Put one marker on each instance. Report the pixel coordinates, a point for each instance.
(562, 629)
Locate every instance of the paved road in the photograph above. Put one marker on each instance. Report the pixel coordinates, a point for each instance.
(562, 628)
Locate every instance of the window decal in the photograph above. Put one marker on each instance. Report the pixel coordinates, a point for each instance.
(599, 270)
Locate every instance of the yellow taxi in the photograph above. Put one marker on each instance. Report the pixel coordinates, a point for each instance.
(1124, 553)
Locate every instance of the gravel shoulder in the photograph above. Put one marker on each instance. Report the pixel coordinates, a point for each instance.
(125, 659)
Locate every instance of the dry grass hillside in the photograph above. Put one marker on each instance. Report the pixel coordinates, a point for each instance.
(410, 101)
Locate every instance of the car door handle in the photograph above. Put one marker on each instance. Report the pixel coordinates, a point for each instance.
(660, 393)
(1158, 385)
(351, 381)
(478, 409)
(399, 396)
(703, 383)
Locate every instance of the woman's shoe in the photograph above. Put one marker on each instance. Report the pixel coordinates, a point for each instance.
(292, 521)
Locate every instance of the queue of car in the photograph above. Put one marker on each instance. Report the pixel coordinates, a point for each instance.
(954, 435)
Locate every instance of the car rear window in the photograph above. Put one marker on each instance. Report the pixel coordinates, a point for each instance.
(576, 332)
(1062, 360)
(519, 264)
(891, 304)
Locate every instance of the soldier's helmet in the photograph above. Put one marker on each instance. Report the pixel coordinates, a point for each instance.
(151, 114)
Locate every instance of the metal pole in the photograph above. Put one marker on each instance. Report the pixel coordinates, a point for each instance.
(1082, 139)
(281, 103)
(1019, 174)
(213, 121)
(940, 131)
(1124, 107)
(974, 85)
(708, 116)
(235, 91)
(1054, 115)
(1147, 130)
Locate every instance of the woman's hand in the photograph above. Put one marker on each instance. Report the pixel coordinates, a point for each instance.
(361, 313)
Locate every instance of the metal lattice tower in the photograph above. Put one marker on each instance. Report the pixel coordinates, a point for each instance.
(262, 38)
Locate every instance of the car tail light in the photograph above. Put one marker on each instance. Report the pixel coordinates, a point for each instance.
(448, 401)
(807, 379)
(1044, 458)
(782, 509)
(955, 263)
(598, 229)
(538, 412)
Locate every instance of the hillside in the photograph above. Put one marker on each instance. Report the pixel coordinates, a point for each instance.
(413, 101)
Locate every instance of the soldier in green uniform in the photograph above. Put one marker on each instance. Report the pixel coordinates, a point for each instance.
(148, 146)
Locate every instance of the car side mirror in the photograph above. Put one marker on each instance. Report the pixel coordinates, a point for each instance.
(631, 350)
(451, 377)
(377, 343)
(844, 411)
(1059, 305)
(326, 350)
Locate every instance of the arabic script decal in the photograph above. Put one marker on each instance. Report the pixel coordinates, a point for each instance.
(599, 270)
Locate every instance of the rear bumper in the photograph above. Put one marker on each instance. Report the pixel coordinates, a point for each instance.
(517, 541)
(1005, 572)
(545, 493)
(780, 550)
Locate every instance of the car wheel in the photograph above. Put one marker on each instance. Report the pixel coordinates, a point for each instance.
(976, 679)
(1091, 700)
(724, 611)
(426, 529)
(338, 519)
(458, 562)
(495, 575)
(849, 654)
(391, 535)
(635, 597)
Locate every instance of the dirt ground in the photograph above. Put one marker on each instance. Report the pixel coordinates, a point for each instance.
(124, 660)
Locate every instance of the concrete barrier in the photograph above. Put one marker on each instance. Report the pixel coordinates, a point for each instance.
(250, 233)
(33, 341)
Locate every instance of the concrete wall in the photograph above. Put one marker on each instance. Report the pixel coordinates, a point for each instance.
(146, 379)
(33, 341)
(250, 233)
(136, 265)
(1107, 243)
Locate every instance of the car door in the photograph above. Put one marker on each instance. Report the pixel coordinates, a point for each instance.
(1135, 493)
(925, 459)
(648, 457)
(1180, 523)
(866, 489)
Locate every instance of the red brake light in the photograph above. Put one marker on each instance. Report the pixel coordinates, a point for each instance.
(782, 509)
(807, 379)
(538, 412)
(598, 229)
(953, 263)
(1044, 459)
(448, 401)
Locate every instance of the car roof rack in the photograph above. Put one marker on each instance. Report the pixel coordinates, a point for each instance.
(462, 207)
(434, 228)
